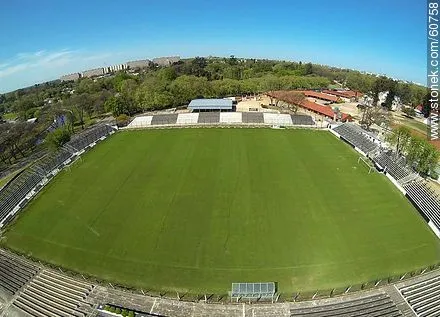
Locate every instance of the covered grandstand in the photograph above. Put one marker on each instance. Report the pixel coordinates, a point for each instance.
(202, 105)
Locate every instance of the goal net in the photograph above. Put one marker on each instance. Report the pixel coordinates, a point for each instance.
(368, 165)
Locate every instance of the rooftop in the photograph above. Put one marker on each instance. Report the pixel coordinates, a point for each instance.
(210, 104)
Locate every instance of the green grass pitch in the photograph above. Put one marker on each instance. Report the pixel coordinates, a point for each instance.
(196, 209)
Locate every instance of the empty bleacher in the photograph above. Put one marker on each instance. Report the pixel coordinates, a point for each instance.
(140, 122)
(15, 273)
(164, 119)
(356, 137)
(424, 297)
(87, 137)
(55, 295)
(376, 305)
(425, 198)
(252, 117)
(277, 119)
(16, 190)
(298, 119)
(209, 117)
(396, 167)
(222, 118)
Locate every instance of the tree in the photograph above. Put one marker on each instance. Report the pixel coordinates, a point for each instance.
(57, 138)
(391, 85)
(428, 159)
(400, 138)
(380, 85)
(413, 149)
(122, 120)
(186, 88)
(198, 65)
(308, 69)
(271, 83)
(422, 155)
(290, 100)
(232, 60)
(405, 94)
(167, 74)
(426, 105)
(374, 115)
(81, 104)
(409, 111)
(116, 106)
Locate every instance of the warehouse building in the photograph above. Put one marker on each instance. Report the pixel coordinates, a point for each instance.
(207, 105)
(322, 97)
(114, 68)
(71, 77)
(139, 64)
(93, 72)
(166, 61)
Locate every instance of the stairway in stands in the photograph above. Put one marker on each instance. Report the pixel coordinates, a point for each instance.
(54, 295)
(15, 272)
(375, 305)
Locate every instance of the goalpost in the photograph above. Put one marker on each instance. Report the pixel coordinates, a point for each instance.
(370, 167)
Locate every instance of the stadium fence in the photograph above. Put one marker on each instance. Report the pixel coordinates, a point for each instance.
(208, 297)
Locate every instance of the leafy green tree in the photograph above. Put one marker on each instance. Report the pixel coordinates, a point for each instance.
(270, 84)
(198, 66)
(308, 69)
(233, 72)
(57, 138)
(122, 120)
(426, 105)
(214, 70)
(186, 88)
(403, 90)
(409, 111)
(116, 106)
(232, 60)
(375, 115)
(400, 138)
(167, 74)
(380, 85)
(391, 94)
(414, 149)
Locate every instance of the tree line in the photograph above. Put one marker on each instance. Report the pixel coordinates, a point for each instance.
(419, 152)
(82, 102)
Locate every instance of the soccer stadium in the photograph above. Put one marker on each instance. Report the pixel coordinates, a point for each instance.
(220, 214)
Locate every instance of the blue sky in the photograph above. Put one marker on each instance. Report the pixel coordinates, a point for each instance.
(43, 39)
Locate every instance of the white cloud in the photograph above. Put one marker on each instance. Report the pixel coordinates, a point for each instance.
(28, 68)
(40, 59)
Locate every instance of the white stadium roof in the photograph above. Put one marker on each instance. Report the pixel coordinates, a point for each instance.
(210, 104)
